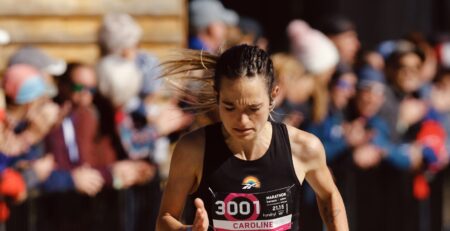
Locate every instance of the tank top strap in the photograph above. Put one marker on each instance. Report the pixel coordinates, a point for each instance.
(282, 148)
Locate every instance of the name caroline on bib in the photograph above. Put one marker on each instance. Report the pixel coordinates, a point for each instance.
(253, 211)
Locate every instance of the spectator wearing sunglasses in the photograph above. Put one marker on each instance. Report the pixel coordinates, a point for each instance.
(72, 142)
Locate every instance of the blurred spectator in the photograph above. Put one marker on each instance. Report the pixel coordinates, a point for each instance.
(72, 141)
(338, 138)
(48, 66)
(253, 33)
(414, 124)
(403, 67)
(430, 63)
(343, 34)
(440, 99)
(26, 101)
(119, 34)
(30, 115)
(136, 142)
(12, 183)
(295, 90)
(319, 57)
(208, 24)
(81, 169)
(440, 96)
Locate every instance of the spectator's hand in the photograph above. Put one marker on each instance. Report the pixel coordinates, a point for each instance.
(44, 113)
(87, 180)
(356, 134)
(170, 118)
(367, 156)
(133, 172)
(43, 167)
(201, 221)
(42, 116)
(411, 111)
(146, 172)
(126, 172)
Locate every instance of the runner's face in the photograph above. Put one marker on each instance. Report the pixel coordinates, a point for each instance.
(244, 106)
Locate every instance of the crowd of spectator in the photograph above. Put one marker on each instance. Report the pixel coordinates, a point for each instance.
(83, 147)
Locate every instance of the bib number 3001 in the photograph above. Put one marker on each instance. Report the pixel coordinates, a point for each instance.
(238, 206)
(233, 208)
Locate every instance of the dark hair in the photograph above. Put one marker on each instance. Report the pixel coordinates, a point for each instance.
(65, 82)
(244, 61)
(442, 74)
(341, 70)
(205, 71)
(403, 48)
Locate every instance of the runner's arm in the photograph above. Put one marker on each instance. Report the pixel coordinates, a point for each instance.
(310, 164)
(185, 171)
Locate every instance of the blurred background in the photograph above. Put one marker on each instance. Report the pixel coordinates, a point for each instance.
(87, 126)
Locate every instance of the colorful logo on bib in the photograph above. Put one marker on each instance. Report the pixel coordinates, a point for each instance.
(251, 182)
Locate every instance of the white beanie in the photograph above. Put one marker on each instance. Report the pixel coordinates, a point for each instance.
(119, 79)
(119, 31)
(313, 49)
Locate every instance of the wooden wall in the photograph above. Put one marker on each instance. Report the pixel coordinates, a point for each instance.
(68, 28)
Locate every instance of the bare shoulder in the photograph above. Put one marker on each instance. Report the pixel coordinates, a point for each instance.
(306, 148)
(190, 146)
(186, 165)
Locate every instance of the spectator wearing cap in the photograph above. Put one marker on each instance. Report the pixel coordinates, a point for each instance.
(26, 100)
(47, 65)
(319, 57)
(372, 160)
(30, 115)
(343, 33)
(132, 141)
(332, 131)
(413, 122)
(252, 33)
(403, 65)
(120, 34)
(80, 155)
(208, 20)
(337, 137)
(403, 110)
(72, 140)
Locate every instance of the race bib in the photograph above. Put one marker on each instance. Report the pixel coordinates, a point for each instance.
(270, 210)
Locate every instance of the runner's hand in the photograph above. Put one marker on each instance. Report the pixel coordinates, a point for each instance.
(201, 221)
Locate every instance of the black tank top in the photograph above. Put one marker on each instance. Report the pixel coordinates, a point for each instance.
(261, 194)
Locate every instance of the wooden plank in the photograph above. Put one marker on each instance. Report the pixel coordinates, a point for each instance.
(91, 7)
(87, 53)
(84, 29)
